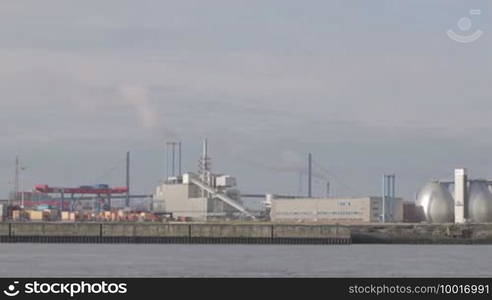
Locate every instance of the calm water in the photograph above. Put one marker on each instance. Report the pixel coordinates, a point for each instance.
(18, 260)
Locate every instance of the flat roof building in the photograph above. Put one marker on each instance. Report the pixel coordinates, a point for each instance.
(182, 200)
(190, 197)
(355, 210)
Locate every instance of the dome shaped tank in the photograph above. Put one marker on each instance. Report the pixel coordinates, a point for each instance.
(435, 204)
(479, 202)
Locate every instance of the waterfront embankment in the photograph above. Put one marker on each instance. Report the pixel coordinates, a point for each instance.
(202, 233)
(421, 233)
(245, 233)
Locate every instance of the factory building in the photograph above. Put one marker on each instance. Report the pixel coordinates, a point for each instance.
(202, 196)
(182, 200)
(188, 197)
(355, 210)
(208, 195)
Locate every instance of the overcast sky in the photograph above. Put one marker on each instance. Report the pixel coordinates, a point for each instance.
(367, 86)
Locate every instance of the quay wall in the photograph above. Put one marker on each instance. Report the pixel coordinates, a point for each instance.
(260, 233)
(421, 233)
(282, 233)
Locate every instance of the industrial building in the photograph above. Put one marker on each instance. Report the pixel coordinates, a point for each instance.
(182, 200)
(460, 201)
(3, 209)
(355, 210)
(207, 195)
(201, 196)
(189, 197)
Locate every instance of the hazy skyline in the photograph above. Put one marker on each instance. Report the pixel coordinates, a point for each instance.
(367, 87)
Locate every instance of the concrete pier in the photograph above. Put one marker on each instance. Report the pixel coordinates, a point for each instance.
(246, 233)
(174, 233)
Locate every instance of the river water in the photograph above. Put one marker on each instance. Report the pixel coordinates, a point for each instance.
(134, 260)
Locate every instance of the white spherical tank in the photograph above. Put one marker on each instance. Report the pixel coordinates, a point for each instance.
(435, 204)
(479, 202)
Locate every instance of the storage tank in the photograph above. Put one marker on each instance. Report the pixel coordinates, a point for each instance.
(435, 204)
(479, 202)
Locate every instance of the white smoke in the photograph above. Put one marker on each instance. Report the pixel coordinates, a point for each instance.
(138, 97)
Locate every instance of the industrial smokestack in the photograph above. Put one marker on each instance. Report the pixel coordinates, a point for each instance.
(205, 153)
(204, 166)
(310, 175)
(460, 196)
(205, 160)
(179, 159)
(127, 202)
(173, 158)
(16, 180)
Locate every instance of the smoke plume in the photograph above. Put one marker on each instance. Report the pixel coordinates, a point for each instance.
(138, 97)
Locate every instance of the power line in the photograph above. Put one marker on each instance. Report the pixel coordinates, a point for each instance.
(330, 174)
(118, 164)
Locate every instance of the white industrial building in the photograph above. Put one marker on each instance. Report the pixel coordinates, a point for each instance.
(190, 197)
(200, 196)
(355, 210)
(182, 200)
(206, 195)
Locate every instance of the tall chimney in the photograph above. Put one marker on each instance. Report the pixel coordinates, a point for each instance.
(179, 159)
(16, 180)
(205, 158)
(310, 175)
(205, 149)
(460, 196)
(127, 200)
